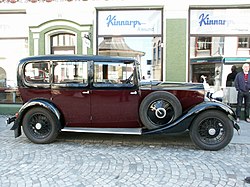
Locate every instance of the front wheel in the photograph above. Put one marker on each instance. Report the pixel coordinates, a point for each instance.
(40, 126)
(211, 130)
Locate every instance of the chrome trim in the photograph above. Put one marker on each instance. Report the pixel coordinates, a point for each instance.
(85, 92)
(133, 93)
(131, 131)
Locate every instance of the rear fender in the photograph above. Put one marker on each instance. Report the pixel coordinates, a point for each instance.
(30, 104)
(184, 122)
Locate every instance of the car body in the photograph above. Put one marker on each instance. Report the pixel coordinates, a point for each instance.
(103, 94)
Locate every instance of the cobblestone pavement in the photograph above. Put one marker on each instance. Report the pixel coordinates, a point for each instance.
(78, 159)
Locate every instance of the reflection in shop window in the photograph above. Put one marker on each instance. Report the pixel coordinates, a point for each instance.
(154, 54)
(244, 42)
(207, 70)
(2, 77)
(159, 50)
(144, 49)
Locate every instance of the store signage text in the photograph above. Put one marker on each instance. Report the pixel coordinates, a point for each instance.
(112, 20)
(130, 22)
(205, 20)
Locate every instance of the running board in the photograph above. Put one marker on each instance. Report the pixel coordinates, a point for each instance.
(132, 131)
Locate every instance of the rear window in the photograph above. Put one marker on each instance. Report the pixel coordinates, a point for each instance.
(37, 73)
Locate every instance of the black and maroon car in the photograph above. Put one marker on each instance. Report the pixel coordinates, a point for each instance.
(102, 94)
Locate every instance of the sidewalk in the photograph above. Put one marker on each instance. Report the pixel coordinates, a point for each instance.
(244, 137)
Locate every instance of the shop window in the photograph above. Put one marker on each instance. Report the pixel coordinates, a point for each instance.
(204, 43)
(203, 46)
(154, 54)
(2, 77)
(159, 50)
(244, 42)
(63, 43)
(144, 50)
(207, 70)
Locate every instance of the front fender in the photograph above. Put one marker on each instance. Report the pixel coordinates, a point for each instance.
(30, 104)
(183, 122)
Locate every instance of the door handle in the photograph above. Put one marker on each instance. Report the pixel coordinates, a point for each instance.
(85, 92)
(133, 93)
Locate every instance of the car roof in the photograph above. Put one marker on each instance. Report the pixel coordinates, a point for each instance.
(77, 58)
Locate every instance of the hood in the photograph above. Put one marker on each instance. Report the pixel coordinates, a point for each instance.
(172, 86)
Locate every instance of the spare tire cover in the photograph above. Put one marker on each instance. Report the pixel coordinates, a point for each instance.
(159, 109)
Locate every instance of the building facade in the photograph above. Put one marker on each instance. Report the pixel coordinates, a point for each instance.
(173, 42)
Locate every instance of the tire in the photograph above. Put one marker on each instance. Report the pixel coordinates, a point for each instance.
(158, 109)
(211, 130)
(40, 126)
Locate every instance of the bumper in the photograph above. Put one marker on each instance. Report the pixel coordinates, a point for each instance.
(11, 119)
(15, 127)
(236, 126)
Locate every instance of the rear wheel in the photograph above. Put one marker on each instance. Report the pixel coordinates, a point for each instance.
(211, 130)
(40, 126)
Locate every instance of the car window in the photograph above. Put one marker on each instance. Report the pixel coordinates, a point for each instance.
(37, 73)
(113, 74)
(71, 74)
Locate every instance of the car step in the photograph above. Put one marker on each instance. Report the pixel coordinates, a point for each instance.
(132, 131)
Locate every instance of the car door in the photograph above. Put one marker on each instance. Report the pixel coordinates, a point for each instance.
(114, 98)
(37, 78)
(70, 92)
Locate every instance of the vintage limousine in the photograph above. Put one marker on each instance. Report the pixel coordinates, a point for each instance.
(103, 94)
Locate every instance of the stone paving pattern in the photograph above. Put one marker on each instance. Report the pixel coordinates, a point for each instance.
(86, 160)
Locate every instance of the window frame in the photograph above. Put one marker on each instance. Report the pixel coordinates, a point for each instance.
(71, 84)
(205, 49)
(247, 45)
(114, 85)
(37, 84)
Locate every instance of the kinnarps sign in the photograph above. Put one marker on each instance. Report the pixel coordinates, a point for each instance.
(220, 21)
(129, 22)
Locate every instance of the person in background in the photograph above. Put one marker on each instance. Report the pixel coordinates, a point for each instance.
(242, 85)
(231, 76)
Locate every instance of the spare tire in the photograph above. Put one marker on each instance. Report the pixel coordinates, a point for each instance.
(159, 109)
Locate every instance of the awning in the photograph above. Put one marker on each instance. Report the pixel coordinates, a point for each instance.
(233, 60)
(206, 60)
(225, 60)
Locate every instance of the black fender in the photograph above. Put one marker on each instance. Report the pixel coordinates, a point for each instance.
(30, 104)
(184, 122)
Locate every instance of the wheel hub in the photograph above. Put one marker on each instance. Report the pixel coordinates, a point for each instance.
(38, 126)
(160, 113)
(211, 131)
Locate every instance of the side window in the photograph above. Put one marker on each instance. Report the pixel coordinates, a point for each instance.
(113, 74)
(37, 73)
(71, 74)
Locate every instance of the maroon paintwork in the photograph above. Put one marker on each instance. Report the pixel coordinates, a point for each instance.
(104, 108)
